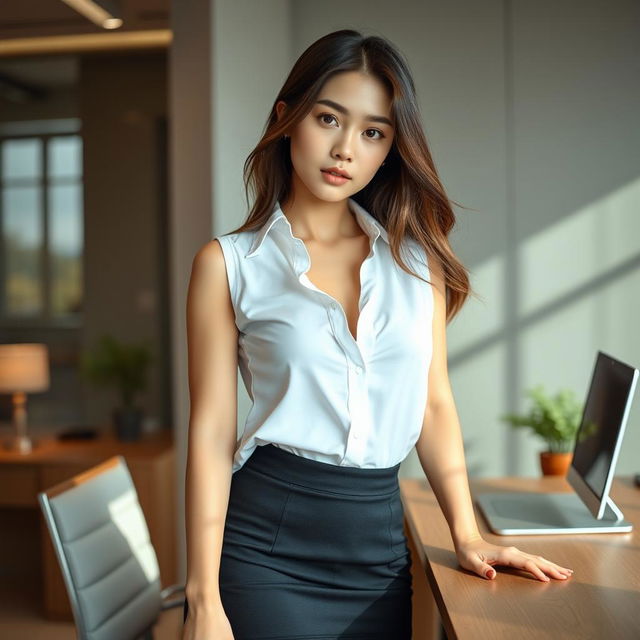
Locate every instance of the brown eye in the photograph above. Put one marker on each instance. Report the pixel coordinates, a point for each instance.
(328, 115)
(377, 131)
(325, 115)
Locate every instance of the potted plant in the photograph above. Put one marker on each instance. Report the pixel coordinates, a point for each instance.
(125, 367)
(556, 420)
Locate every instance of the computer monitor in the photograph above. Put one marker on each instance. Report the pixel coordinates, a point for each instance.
(590, 509)
(601, 431)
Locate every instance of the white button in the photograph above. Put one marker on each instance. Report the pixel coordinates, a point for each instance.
(334, 305)
(355, 436)
(358, 369)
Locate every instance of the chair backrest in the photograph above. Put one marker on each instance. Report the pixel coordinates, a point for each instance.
(102, 543)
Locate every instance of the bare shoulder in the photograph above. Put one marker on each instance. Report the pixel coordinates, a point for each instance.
(209, 264)
(208, 287)
(209, 257)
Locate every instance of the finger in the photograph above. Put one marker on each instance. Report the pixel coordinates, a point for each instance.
(482, 568)
(513, 556)
(552, 568)
(531, 566)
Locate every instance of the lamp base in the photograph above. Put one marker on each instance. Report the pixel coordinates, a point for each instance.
(19, 444)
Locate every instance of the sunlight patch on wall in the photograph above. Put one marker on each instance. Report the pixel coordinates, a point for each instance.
(597, 238)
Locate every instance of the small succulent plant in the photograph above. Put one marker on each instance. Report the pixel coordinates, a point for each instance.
(556, 419)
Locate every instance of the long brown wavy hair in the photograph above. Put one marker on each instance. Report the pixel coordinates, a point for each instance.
(405, 195)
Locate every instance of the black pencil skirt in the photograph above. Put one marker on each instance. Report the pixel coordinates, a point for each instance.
(314, 550)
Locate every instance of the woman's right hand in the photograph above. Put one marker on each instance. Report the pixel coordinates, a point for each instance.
(207, 624)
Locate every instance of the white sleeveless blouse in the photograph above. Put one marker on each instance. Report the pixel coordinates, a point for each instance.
(315, 390)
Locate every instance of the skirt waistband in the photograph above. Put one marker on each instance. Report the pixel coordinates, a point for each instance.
(289, 467)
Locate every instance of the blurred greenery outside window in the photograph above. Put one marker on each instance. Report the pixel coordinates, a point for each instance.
(41, 228)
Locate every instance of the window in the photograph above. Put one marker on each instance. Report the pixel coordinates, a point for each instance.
(41, 227)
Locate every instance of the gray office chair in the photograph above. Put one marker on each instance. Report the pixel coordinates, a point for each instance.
(109, 566)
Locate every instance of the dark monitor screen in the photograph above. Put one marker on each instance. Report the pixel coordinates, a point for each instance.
(602, 421)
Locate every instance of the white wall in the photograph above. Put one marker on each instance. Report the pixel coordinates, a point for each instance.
(575, 188)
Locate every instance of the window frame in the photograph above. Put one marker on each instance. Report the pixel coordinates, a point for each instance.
(44, 131)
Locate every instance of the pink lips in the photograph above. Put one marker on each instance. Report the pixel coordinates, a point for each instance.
(342, 172)
(329, 178)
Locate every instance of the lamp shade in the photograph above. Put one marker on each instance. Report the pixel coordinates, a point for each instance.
(24, 367)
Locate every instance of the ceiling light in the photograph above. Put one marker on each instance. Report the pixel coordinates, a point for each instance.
(104, 13)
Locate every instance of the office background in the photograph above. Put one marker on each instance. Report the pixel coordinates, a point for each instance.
(531, 111)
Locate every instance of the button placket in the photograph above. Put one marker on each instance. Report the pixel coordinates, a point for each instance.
(356, 440)
(354, 350)
(359, 411)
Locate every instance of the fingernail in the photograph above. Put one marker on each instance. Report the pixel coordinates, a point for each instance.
(490, 573)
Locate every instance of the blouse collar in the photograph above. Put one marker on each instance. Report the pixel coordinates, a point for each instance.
(368, 223)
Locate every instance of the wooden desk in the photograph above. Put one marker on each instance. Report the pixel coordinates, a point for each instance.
(601, 600)
(152, 467)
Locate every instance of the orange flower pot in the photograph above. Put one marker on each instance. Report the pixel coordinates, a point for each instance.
(555, 464)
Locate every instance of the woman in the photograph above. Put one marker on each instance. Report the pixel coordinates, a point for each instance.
(332, 298)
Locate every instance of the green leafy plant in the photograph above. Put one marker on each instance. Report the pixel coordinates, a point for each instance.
(115, 364)
(555, 419)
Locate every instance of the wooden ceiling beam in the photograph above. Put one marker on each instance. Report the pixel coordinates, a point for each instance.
(86, 42)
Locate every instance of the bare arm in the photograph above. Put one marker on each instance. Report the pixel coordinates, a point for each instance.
(439, 446)
(213, 366)
(441, 454)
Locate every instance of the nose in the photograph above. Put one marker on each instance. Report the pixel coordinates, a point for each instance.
(342, 150)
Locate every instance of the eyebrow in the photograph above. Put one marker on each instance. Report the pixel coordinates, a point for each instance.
(341, 109)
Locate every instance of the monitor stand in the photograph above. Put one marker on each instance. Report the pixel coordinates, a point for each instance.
(523, 513)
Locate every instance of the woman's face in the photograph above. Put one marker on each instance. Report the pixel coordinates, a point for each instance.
(347, 133)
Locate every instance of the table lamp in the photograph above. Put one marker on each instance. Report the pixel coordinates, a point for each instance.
(24, 368)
